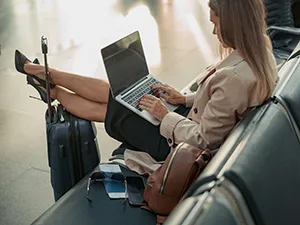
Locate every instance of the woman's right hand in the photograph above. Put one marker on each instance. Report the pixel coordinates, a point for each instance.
(169, 94)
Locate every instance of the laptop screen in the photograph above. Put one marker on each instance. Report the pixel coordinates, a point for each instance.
(124, 62)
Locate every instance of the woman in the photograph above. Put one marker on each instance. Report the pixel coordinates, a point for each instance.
(242, 80)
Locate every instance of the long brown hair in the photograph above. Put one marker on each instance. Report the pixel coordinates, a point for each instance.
(243, 28)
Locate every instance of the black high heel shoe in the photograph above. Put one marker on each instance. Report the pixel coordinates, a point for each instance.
(38, 87)
(36, 61)
(20, 60)
(41, 83)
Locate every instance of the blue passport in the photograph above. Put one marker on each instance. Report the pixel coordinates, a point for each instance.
(114, 188)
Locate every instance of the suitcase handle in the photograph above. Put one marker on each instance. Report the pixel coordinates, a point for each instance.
(44, 45)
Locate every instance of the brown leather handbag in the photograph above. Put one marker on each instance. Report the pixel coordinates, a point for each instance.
(167, 185)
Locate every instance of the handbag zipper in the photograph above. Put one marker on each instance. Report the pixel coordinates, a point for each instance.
(167, 170)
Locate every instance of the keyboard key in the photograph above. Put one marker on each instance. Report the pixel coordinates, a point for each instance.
(133, 98)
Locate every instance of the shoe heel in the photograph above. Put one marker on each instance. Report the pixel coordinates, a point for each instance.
(35, 98)
(42, 93)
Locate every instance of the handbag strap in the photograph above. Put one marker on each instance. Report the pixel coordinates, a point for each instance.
(160, 219)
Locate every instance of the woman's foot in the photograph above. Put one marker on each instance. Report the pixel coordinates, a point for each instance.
(20, 63)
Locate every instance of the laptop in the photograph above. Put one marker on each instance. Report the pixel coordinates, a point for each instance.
(128, 74)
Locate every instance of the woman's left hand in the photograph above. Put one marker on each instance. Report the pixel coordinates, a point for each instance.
(154, 106)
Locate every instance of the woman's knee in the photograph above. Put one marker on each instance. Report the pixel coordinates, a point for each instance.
(95, 112)
(100, 113)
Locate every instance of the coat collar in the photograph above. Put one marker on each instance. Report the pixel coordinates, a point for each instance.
(231, 60)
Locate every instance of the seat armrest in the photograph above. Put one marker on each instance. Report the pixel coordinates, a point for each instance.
(296, 52)
(274, 30)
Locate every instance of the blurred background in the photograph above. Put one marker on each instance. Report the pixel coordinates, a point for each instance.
(178, 43)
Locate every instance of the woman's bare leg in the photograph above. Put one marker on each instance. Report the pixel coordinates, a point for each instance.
(96, 90)
(79, 106)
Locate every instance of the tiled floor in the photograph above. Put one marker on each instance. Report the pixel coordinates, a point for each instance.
(178, 44)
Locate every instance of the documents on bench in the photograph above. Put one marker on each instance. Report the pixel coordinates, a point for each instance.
(110, 168)
(114, 188)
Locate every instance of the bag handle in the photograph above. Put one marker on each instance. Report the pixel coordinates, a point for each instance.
(44, 45)
(203, 158)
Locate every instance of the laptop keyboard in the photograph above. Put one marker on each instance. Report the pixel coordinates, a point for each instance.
(132, 98)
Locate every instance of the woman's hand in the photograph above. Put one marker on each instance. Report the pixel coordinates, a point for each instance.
(154, 106)
(169, 94)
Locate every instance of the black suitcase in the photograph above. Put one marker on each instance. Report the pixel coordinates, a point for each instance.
(71, 141)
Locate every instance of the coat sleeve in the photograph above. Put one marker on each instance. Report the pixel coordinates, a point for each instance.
(228, 99)
(189, 99)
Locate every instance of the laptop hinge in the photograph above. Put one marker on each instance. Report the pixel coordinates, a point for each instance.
(129, 89)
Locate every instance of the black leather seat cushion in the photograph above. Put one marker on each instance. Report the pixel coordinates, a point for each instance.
(266, 170)
(296, 12)
(73, 208)
(279, 13)
(215, 210)
(291, 92)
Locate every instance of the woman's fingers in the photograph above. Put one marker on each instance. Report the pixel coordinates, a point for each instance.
(148, 102)
(154, 106)
(162, 87)
(148, 98)
(158, 86)
(164, 96)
